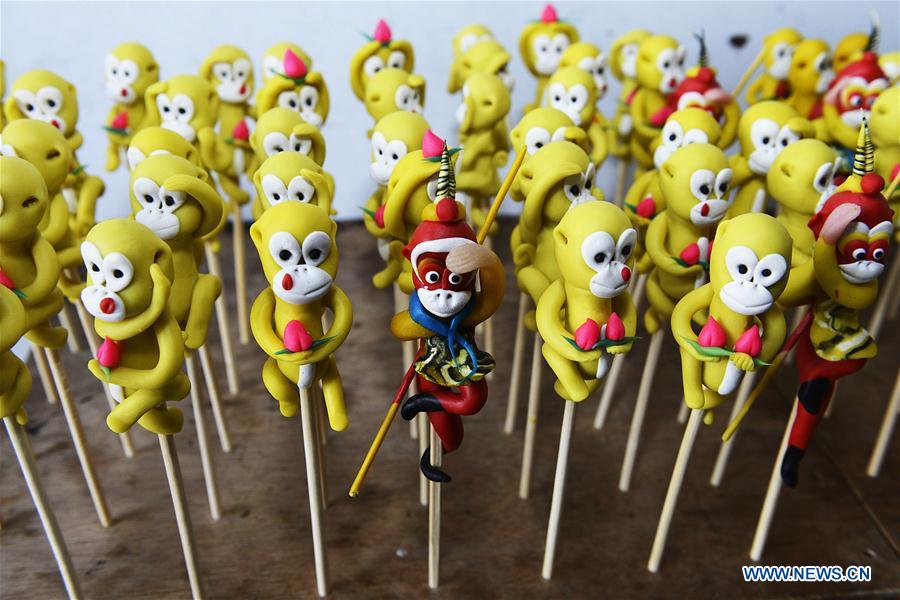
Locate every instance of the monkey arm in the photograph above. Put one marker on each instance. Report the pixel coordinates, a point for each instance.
(214, 152)
(475, 179)
(802, 286)
(75, 140)
(754, 91)
(57, 221)
(549, 322)
(838, 130)
(393, 267)
(92, 188)
(45, 259)
(774, 330)
(168, 366)
(623, 306)
(692, 303)
(206, 290)
(262, 314)
(740, 169)
(599, 142)
(405, 329)
(655, 243)
(641, 125)
(371, 206)
(340, 306)
(732, 114)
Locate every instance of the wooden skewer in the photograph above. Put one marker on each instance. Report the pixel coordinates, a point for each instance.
(512, 403)
(66, 321)
(725, 449)
(559, 484)
(318, 411)
(674, 489)
(885, 432)
(640, 409)
(28, 466)
(182, 513)
(768, 509)
(434, 516)
(212, 390)
(501, 194)
(683, 411)
(78, 438)
(534, 396)
(422, 424)
(621, 177)
(206, 460)
(745, 78)
(215, 268)
(124, 438)
(312, 483)
(40, 361)
(240, 275)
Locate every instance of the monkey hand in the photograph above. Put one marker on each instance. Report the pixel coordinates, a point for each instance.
(501, 157)
(470, 257)
(743, 361)
(697, 355)
(620, 348)
(523, 255)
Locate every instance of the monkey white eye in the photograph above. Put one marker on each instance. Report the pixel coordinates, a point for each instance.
(741, 263)
(465, 90)
(164, 105)
(764, 133)
(589, 175)
(770, 270)
(689, 99)
(598, 249)
(572, 187)
(560, 43)
(541, 44)
(135, 157)
(824, 177)
(394, 151)
(171, 200)
(703, 182)
(695, 136)
(183, 107)
(50, 99)
(289, 99)
(431, 189)
(578, 96)
(396, 60)
(666, 59)
(129, 71)
(274, 189)
(723, 180)
(93, 262)
(878, 254)
(822, 62)
(454, 278)
(285, 249)
(309, 98)
(859, 254)
(536, 138)
(467, 41)
(111, 67)
(625, 245)
(242, 68)
(672, 134)
(559, 135)
(316, 248)
(379, 144)
(403, 97)
(272, 65)
(301, 144)
(118, 271)
(222, 71)
(146, 192)
(372, 65)
(432, 277)
(301, 190)
(274, 143)
(557, 95)
(786, 137)
(680, 55)
(25, 101)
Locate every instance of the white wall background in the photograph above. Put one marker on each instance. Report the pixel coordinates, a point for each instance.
(72, 39)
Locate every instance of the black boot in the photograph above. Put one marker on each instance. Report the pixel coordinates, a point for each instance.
(812, 394)
(790, 466)
(430, 471)
(423, 402)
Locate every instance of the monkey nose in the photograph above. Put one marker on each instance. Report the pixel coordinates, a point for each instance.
(626, 274)
(124, 92)
(672, 82)
(287, 282)
(107, 305)
(55, 123)
(704, 209)
(243, 88)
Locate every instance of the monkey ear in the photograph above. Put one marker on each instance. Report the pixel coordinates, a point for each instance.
(163, 259)
(787, 168)
(256, 236)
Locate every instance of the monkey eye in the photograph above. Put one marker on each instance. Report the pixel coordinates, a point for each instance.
(598, 249)
(285, 249)
(432, 277)
(118, 271)
(274, 189)
(171, 200)
(702, 183)
(316, 248)
(93, 260)
(626, 243)
(396, 60)
(301, 190)
(372, 65)
(770, 270)
(536, 138)
(455, 278)
(274, 142)
(146, 192)
(300, 144)
(741, 263)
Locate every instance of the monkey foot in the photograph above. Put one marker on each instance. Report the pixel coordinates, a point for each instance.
(414, 405)
(431, 472)
(790, 466)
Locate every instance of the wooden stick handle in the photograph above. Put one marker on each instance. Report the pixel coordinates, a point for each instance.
(559, 484)
(756, 393)
(434, 516)
(748, 73)
(215, 400)
(768, 509)
(501, 194)
(240, 275)
(206, 460)
(531, 418)
(215, 268)
(312, 484)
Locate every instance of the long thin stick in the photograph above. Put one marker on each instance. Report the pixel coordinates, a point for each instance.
(640, 409)
(212, 390)
(748, 73)
(40, 361)
(559, 484)
(434, 516)
(312, 484)
(66, 321)
(182, 513)
(215, 268)
(683, 411)
(124, 438)
(422, 424)
(501, 194)
(621, 176)
(28, 465)
(206, 460)
(885, 432)
(317, 408)
(78, 437)
(725, 449)
(515, 377)
(534, 396)
(768, 508)
(674, 489)
(240, 275)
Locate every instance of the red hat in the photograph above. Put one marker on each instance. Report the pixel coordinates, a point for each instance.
(874, 209)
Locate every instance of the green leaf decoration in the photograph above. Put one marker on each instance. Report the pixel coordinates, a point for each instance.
(296, 80)
(115, 130)
(78, 169)
(687, 265)
(313, 346)
(603, 343)
(19, 293)
(437, 159)
(105, 371)
(371, 213)
(719, 352)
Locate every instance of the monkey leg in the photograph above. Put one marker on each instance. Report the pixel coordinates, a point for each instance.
(333, 391)
(281, 388)
(532, 281)
(16, 389)
(570, 383)
(692, 380)
(392, 270)
(169, 420)
(206, 290)
(42, 333)
(661, 306)
(812, 400)
(468, 400)
(136, 405)
(112, 156)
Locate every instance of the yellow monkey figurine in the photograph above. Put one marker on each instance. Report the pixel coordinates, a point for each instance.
(772, 84)
(541, 46)
(129, 69)
(290, 176)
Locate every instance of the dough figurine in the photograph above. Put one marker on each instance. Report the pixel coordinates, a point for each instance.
(850, 100)
(572, 90)
(381, 51)
(47, 97)
(129, 69)
(296, 88)
(296, 246)
(764, 131)
(483, 56)
(184, 104)
(541, 46)
(290, 176)
(282, 129)
(809, 77)
(623, 63)
(466, 38)
(852, 45)
(2, 93)
(778, 51)
(660, 69)
(142, 354)
(154, 140)
(273, 59)
(890, 64)
(588, 312)
(588, 57)
(884, 124)
(391, 90)
(800, 180)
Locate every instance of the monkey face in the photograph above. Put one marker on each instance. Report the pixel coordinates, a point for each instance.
(571, 90)
(291, 176)
(42, 145)
(284, 130)
(684, 127)
(779, 49)
(696, 182)
(624, 52)
(558, 177)
(23, 199)
(229, 69)
(296, 246)
(184, 104)
(44, 96)
(443, 293)
(468, 36)
(591, 60)
(801, 177)
(393, 137)
(862, 251)
(811, 69)
(486, 56)
(412, 187)
(485, 102)
(394, 89)
(660, 63)
(594, 245)
(540, 126)
(542, 45)
(151, 141)
(129, 70)
(170, 196)
(377, 55)
(767, 128)
(856, 98)
(273, 59)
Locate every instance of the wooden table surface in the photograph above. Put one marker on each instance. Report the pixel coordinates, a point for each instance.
(492, 542)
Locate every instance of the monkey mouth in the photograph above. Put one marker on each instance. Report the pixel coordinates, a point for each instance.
(742, 308)
(861, 272)
(761, 164)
